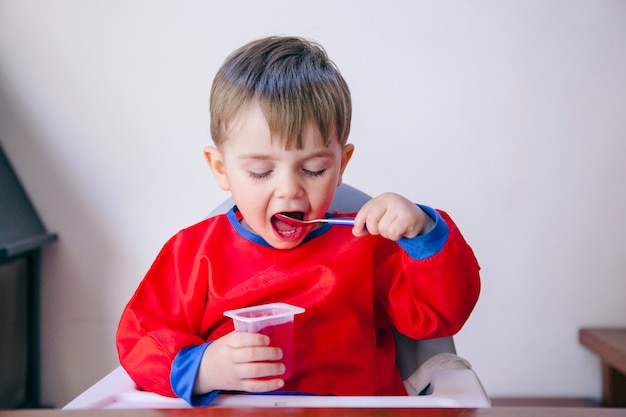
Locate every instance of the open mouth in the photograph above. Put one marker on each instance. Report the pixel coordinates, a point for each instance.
(284, 228)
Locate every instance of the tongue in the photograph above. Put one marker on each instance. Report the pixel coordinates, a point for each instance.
(280, 225)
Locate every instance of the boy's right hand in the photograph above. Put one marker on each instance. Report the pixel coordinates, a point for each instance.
(240, 362)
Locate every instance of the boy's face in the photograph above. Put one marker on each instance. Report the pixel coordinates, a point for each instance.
(265, 179)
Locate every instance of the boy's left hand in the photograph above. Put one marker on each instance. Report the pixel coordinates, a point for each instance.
(393, 217)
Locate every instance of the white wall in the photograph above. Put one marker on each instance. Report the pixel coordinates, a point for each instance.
(508, 114)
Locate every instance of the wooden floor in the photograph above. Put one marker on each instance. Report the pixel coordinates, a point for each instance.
(544, 402)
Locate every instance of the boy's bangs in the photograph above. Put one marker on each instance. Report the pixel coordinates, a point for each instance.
(324, 103)
(288, 118)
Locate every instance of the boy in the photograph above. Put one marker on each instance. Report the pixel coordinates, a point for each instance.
(280, 118)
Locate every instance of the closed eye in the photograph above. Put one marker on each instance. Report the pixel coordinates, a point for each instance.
(259, 175)
(314, 173)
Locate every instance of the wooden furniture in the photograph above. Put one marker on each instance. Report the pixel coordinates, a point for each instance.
(610, 345)
(329, 412)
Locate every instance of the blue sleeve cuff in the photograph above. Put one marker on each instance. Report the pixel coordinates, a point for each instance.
(183, 375)
(428, 244)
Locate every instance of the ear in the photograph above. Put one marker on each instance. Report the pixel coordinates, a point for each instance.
(215, 159)
(346, 154)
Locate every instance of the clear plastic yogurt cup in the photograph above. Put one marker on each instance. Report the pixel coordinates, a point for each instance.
(273, 320)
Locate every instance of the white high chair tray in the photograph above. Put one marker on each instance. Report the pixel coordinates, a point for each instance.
(451, 389)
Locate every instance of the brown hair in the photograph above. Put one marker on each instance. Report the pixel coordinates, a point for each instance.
(294, 82)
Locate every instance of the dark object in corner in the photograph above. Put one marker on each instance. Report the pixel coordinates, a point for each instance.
(22, 235)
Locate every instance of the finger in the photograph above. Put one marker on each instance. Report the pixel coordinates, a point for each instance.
(392, 227)
(373, 219)
(257, 354)
(366, 220)
(257, 370)
(262, 385)
(412, 231)
(242, 339)
(359, 228)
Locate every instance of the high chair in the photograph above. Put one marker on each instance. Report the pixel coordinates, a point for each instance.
(432, 372)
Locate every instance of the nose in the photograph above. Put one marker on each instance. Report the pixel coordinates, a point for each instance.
(288, 187)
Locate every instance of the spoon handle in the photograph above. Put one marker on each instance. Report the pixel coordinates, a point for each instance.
(340, 221)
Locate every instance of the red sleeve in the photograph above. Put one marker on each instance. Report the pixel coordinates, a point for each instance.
(163, 316)
(430, 297)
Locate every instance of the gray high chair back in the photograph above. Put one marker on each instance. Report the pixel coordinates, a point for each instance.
(410, 353)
